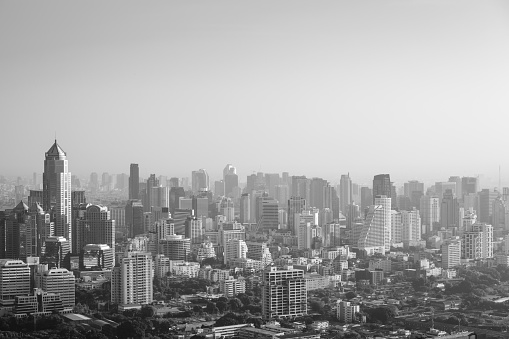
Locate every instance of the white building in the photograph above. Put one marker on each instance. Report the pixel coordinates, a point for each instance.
(235, 248)
(231, 287)
(411, 224)
(14, 280)
(430, 211)
(58, 281)
(283, 292)
(376, 233)
(451, 253)
(131, 282)
(346, 311)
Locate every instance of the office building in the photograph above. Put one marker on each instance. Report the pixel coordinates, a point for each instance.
(345, 193)
(175, 247)
(194, 230)
(55, 252)
(376, 232)
(97, 257)
(449, 210)
(134, 218)
(469, 185)
(284, 292)
(245, 208)
(430, 212)
(59, 281)
(38, 229)
(451, 254)
(411, 225)
(381, 186)
(57, 190)
(131, 280)
(268, 213)
(233, 249)
(95, 227)
(486, 198)
(14, 280)
(477, 243)
(200, 180)
(331, 234)
(296, 205)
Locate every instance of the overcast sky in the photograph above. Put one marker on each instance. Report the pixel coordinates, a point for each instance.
(417, 89)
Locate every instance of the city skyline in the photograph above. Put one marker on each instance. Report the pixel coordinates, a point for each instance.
(336, 180)
(230, 82)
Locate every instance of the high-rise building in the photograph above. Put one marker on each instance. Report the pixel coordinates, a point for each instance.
(331, 234)
(230, 179)
(95, 227)
(477, 243)
(396, 227)
(366, 198)
(93, 183)
(411, 223)
(284, 293)
(134, 218)
(457, 181)
(194, 230)
(376, 232)
(200, 180)
(268, 213)
(296, 205)
(59, 281)
(469, 185)
(14, 280)
(131, 281)
(430, 211)
(316, 192)
(37, 230)
(345, 192)
(301, 187)
(233, 249)
(175, 247)
(97, 257)
(449, 210)
(486, 198)
(382, 186)
(245, 208)
(346, 311)
(134, 182)
(55, 252)
(57, 190)
(451, 253)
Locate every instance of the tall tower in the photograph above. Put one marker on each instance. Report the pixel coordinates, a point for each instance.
(56, 188)
(134, 182)
(345, 192)
(381, 185)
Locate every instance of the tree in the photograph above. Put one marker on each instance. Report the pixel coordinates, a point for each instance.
(227, 320)
(235, 304)
(222, 306)
(131, 329)
(147, 312)
(257, 322)
(350, 295)
(317, 306)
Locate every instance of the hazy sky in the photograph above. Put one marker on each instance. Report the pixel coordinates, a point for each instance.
(417, 89)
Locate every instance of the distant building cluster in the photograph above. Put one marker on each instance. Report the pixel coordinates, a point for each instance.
(292, 234)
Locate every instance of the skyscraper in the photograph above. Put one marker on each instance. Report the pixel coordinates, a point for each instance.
(95, 227)
(134, 182)
(376, 232)
(57, 190)
(200, 180)
(345, 192)
(430, 211)
(230, 179)
(382, 186)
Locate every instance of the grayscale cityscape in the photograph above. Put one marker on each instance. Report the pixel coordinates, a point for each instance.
(254, 169)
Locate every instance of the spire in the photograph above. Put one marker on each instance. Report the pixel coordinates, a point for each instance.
(56, 152)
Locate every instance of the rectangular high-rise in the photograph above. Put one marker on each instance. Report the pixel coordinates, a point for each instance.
(284, 293)
(381, 186)
(134, 182)
(131, 282)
